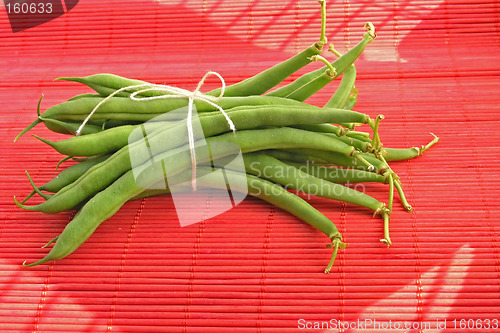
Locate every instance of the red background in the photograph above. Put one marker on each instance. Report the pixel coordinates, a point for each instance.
(433, 68)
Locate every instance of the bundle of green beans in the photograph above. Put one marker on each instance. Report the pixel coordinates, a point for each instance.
(286, 144)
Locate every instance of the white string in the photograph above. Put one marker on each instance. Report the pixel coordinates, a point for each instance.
(174, 93)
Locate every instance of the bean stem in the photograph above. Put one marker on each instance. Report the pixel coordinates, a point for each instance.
(391, 192)
(401, 154)
(377, 145)
(357, 155)
(35, 188)
(322, 40)
(404, 202)
(330, 69)
(387, 239)
(336, 244)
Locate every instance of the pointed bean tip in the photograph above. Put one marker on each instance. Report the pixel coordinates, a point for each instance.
(35, 263)
(29, 127)
(20, 205)
(50, 143)
(63, 78)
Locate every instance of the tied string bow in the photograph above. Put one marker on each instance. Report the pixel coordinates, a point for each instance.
(174, 92)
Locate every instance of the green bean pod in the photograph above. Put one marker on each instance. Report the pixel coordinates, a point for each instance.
(294, 156)
(106, 203)
(86, 95)
(101, 207)
(352, 100)
(243, 117)
(272, 169)
(339, 175)
(341, 65)
(341, 96)
(103, 174)
(105, 84)
(288, 176)
(68, 175)
(311, 87)
(365, 147)
(322, 128)
(124, 109)
(66, 127)
(402, 154)
(334, 158)
(269, 78)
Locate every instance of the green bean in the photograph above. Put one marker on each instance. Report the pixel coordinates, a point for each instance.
(334, 158)
(362, 136)
(248, 141)
(65, 127)
(363, 146)
(262, 82)
(125, 109)
(82, 95)
(106, 84)
(105, 173)
(120, 109)
(287, 201)
(272, 169)
(340, 65)
(322, 128)
(398, 154)
(391, 192)
(294, 156)
(376, 143)
(243, 117)
(68, 175)
(331, 174)
(308, 89)
(106, 203)
(339, 175)
(352, 100)
(106, 141)
(102, 206)
(341, 96)
(56, 125)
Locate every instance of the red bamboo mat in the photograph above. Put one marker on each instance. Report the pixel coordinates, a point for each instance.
(434, 67)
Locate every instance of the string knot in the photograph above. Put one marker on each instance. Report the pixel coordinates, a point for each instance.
(174, 92)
